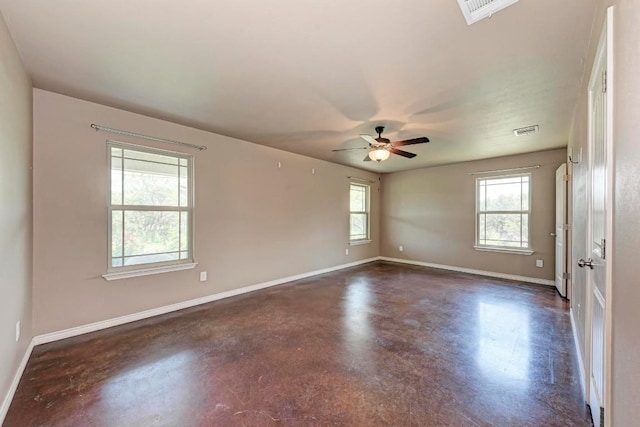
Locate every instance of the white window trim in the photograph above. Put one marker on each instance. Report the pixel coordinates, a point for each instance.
(115, 273)
(514, 251)
(360, 242)
(148, 271)
(367, 212)
(503, 249)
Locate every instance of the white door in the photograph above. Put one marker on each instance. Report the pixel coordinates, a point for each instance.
(560, 233)
(598, 224)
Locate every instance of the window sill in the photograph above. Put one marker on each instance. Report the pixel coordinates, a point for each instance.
(504, 251)
(359, 242)
(148, 271)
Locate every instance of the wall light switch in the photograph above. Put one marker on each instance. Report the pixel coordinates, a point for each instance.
(539, 263)
(346, 251)
(401, 248)
(17, 330)
(203, 276)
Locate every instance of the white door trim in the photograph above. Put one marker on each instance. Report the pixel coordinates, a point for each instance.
(609, 216)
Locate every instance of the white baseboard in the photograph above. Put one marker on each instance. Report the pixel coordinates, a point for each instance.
(583, 373)
(472, 271)
(91, 327)
(14, 384)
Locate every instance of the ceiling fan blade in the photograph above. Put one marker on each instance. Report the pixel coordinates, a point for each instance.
(402, 153)
(367, 159)
(368, 138)
(421, 140)
(355, 148)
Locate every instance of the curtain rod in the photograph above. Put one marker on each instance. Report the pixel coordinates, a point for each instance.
(150, 138)
(506, 170)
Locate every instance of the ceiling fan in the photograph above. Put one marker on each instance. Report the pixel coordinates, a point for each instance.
(381, 148)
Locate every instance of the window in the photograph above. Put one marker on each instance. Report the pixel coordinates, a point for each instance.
(358, 213)
(150, 207)
(503, 210)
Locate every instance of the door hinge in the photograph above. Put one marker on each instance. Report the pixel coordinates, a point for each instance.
(603, 247)
(566, 276)
(604, 81)
(567, 178)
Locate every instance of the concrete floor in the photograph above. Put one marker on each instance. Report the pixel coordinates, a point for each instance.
(377, 345)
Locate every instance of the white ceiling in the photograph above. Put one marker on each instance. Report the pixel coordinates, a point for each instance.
(309, 76)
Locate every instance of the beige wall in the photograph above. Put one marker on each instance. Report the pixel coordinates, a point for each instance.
(253, 221)
(431, 212)
(625, 297)
(15, 209)
(626, 234)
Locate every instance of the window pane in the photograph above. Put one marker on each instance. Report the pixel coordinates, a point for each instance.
(358, 228)
(505, 197)
(116, 233)
(184, 231)
(151, 232)
(496, 197)
(116, 180)
(358, 198)
(525, 195)
(503, 230)
(148, 179)
(150, 184)
(184, 187)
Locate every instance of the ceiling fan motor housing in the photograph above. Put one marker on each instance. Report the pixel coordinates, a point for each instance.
(380, 139)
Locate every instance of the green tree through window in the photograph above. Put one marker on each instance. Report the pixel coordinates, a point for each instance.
(358, 212)
(150, 210)
(503, 211)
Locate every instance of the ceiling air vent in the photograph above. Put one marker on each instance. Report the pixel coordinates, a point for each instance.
(529, 130)
(475, 10)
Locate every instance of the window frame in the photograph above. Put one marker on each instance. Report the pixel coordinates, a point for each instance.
(366, 212)
(126, 271)
(496, 248)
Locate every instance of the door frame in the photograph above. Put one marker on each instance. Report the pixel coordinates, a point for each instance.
(604, 54)
(563, 234)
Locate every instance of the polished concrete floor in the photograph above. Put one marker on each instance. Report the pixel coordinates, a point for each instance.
(378, 345)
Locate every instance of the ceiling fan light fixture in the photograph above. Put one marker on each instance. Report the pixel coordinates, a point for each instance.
(379, 154)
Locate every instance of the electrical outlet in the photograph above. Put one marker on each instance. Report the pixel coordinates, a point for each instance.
(401, 248)
(17, 330)
(539, 263)
(346, 251)
(203, 276)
